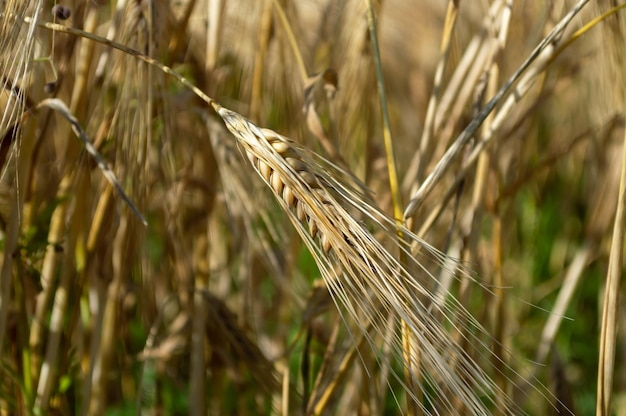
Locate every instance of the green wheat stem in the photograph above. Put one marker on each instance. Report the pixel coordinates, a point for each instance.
(407, 336)
(391, 160)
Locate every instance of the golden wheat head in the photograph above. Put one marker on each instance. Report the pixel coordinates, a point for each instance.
(370, 284)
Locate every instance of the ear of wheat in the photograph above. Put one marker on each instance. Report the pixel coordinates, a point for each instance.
(371, 284)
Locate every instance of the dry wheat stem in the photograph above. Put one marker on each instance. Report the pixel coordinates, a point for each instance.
(522, 87)
(61, 108)
(433, 102)
(610, 325)
(607, 391)
(559, 311)
(465, 73)
(456, 148)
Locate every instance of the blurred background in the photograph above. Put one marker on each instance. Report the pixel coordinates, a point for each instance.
(217, 306)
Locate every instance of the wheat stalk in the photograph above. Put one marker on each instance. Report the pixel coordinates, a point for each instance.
(545, 49)
(615, 29)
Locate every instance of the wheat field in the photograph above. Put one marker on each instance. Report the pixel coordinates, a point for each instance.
(312, 207)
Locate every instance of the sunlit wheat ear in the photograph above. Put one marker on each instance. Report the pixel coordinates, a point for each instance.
(370, 284)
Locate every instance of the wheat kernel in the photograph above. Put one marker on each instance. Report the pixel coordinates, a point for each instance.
(265, 170)
(326, 245)
(277, 183)
(296, 164)
(300, 214)
(288, 196)
(313, 228)
(280, 147)
(309, 179)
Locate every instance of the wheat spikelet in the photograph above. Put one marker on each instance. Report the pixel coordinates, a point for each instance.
(370, 284)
